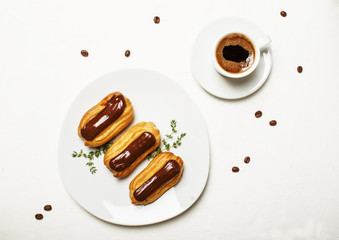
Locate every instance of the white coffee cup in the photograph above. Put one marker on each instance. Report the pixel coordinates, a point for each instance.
(258, 45)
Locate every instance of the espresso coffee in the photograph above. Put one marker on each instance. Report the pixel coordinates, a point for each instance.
(235, 53)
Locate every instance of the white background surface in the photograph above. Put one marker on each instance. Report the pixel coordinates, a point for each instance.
(289, 190)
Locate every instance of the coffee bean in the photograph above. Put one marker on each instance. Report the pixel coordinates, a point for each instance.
(48, 208)
(300, 69)
(247, 159)
(84, 53)
(156, 20)
(258, 114)
(273, 122)
(127, 53)
(235, 169)
(283, 13)
(39, 216)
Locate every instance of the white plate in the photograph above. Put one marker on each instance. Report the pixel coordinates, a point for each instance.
(155, 98)
(209, 78)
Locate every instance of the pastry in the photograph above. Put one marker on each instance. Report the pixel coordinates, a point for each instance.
(162, 173)
(105, 120)
(131, 148)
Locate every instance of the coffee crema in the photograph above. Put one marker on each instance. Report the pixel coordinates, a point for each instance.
(235, 53)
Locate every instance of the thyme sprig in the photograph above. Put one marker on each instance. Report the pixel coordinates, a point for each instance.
(97, 152)
(165, 144)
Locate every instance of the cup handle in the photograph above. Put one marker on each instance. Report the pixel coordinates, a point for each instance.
(264, 42)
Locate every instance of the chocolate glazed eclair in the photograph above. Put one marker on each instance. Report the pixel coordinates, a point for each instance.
(162, 173)
(105, 120)
(131, 148)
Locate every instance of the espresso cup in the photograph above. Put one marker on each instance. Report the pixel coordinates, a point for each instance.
(236, 55)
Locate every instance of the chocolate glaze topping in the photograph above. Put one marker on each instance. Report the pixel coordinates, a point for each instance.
(166, 173)
(113, 110)
(131, 153)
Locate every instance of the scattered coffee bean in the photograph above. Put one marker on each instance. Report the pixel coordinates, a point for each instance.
(127, 53)
(84, 53)
(156, 20)
(235, 169)
(247, 159)
(300, 69)
(283, 13)
(258, 114)
(48, 208)
(39, 216)
(273, 122)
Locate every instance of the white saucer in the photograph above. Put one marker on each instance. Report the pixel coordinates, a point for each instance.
(209, 78)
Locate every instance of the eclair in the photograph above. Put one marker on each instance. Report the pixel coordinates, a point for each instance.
(131, 148)
(106, 119)
(162, 173)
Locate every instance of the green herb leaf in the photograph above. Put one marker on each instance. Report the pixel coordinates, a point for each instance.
(158, 150)
(80, 153)
(165, 145)
(97, 153)
(93, 170)
(173, 126)
(90, 156)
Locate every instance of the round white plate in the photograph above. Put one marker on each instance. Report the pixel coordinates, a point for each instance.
(155, 98)
(202, 55)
